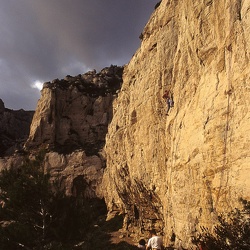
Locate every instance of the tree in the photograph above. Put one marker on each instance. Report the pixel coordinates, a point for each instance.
(36, 214)
(231, 233)
(26, 197)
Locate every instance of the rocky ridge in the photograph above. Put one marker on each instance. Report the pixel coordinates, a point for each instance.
(14, 129)
(74, 112)
(70, 124)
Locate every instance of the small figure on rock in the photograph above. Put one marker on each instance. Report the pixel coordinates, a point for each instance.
(169, 100)
(155, 242)
(201, 246)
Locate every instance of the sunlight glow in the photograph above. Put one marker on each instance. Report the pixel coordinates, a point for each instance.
(37, 85)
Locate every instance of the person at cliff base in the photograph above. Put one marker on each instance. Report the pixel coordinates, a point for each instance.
(142, 244)
(155, 242)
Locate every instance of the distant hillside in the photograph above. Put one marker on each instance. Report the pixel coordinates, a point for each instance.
(14, 129)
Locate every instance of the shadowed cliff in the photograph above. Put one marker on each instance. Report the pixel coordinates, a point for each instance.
(14, 129)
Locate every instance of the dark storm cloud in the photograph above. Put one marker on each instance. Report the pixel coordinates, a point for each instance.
(46, 39)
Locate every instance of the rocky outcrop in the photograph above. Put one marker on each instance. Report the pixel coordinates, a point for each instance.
(75, 173)
(177, 172)
(70, 123)
(74, 113)
(79, 175)
(14, 129)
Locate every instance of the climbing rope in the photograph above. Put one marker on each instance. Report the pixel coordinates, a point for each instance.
(170, 89)
(229, 89)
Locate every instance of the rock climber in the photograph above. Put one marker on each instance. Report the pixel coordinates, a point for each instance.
(155, 242)
(169, 100)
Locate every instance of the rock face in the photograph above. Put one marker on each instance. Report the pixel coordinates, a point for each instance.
(71, 122)
(176, 172)
(75, 112)
(14, 129)
(79, 175)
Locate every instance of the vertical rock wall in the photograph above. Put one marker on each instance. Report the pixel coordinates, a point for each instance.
(177, 172)
(74, 112)
(71, 122)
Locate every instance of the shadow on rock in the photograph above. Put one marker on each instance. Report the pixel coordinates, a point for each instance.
(100, 237)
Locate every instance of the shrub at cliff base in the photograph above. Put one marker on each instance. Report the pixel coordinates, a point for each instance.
(231, 233)
(32, 216)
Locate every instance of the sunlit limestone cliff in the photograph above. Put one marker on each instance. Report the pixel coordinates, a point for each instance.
(173, 172)
(70, 124)
(177, 172)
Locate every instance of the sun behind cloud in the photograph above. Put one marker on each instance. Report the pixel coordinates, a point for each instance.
(37, 85)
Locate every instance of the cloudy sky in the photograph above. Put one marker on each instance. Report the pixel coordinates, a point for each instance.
(41, 40)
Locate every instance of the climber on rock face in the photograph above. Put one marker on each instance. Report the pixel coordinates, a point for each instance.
(169, 99)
